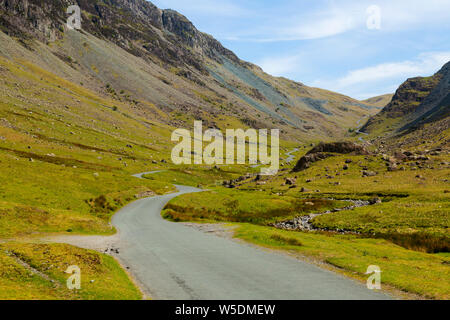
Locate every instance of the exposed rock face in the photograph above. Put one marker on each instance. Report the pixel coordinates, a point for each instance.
(123, 22)
(306, 161)
(32, 18)
(436, 105)
(340, 147)
(177, 69)
(418, 101)
(326, 150)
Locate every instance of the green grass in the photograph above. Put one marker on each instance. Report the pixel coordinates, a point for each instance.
(411, 215)
(407, 270)
(399, 235)
(206, 176)
(55, 163)
(84, 148)
(66, 159)
(102, 278)
(232, 205)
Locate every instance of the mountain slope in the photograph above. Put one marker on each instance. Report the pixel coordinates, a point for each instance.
(418, 101)
(380, 101)
(158, 62)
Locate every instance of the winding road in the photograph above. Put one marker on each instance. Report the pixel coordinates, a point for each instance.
(358, 129)
(175, 261)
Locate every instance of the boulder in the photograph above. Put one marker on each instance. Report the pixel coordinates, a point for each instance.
(375, 201)
(326, 150)
(290, 181)
(306, 161)
(341, 148)
(367, 173)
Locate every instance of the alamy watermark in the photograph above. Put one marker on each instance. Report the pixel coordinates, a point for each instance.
(74, 20)
(374, 281)
(374, 17)
(229, 149)
(74, 281)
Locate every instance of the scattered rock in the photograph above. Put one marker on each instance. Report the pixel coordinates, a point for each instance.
(367, 173)
(376, 200)
(145, 194)
(304, 222)
(290, 181)
(392, 167)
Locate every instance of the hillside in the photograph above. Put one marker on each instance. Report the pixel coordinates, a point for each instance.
(379, 101)
(418, 102)
(160, 64)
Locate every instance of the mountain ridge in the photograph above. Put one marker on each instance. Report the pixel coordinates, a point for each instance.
(417, 101)
(172, 68)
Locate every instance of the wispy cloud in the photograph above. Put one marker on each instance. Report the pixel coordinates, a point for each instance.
(333, 18)
(279, 66)
(424, 65)
(314, 25)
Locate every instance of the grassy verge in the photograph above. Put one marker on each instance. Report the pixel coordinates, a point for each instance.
(37, 271)
(407, 270)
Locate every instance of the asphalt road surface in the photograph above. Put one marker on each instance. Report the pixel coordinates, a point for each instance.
(174, 261)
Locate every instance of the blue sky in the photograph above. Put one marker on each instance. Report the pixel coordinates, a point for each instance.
(327, 43)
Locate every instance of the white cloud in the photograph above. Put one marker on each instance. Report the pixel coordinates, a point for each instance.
(425, 64)
(336, 17)
(279, 66)
(356, 82)
(407, 14)
(324, 26)
(313, 25)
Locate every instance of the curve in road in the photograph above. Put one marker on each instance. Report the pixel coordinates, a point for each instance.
(174, 261)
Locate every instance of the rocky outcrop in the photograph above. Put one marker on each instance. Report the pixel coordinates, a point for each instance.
(137, 26)
(326, 150)
(417, 101)
(25, 19)
(178, 70)
(436, 105)
(306, 161)
(340, 147)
